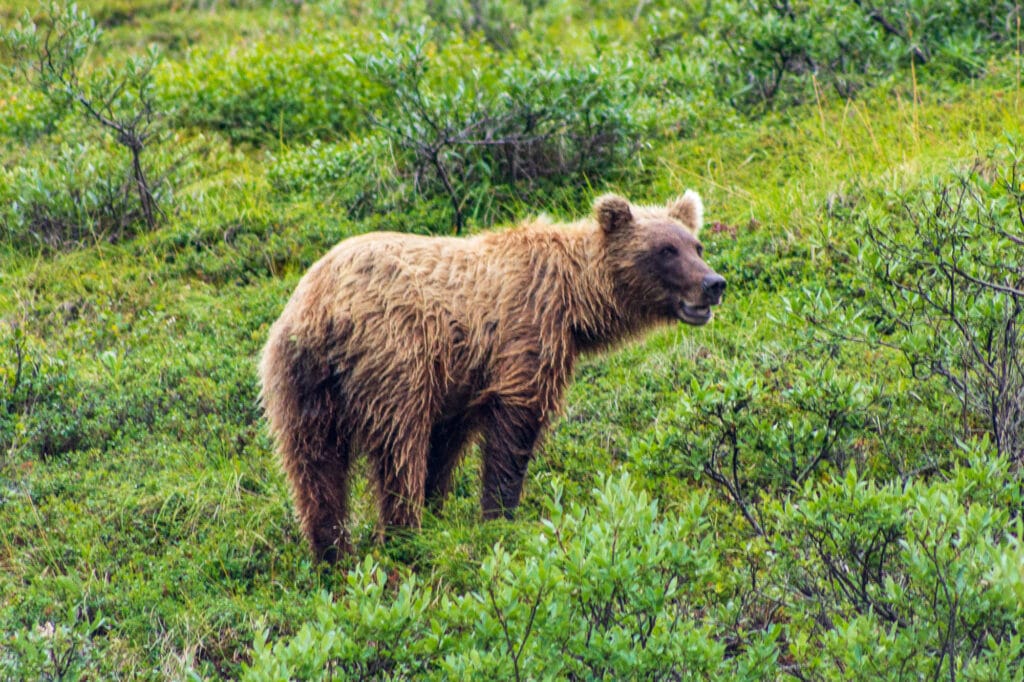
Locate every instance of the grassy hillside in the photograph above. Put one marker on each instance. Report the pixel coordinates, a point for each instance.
(824, 483)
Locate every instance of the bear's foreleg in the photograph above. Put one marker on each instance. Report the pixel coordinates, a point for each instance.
(510, 434)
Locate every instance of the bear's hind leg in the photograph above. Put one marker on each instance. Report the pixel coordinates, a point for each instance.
(447, 443)
(319, 481)
(400, 475)
(302, 399)
(315, 455)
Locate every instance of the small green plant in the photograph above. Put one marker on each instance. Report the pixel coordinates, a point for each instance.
(940, 278)
(366, 632)
(467, 137)
(755, 438)
(73, 195)
(120, 101)
(495, 20)
(55, 651)
(950, 285)
(781, 53)
(897, 578)
(613, 591)
(786, 49)
(36, 394)
(360, 175)
(265, 92)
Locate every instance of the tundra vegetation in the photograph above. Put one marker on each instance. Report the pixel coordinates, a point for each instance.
(824, 483)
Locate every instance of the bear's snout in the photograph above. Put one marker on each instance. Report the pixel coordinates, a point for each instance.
(713, 286)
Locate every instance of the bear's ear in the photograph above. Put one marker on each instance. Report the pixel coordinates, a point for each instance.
(613, 213)
(689, 210)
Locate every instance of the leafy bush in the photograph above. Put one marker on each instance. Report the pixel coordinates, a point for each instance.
(940, 278)
(42, 406)
(459, 124)
(952, 282)
(80, 195)
(754, 437)
(785, 52)
(85, 194)
(931, 29)
(265, 91)
(119, 101)
(496, 21)
(465, 137)
(677, 97)
(784, 44)
(55, 651)
(895, 579)
(360, 175)
(614, 591)
(26, 114)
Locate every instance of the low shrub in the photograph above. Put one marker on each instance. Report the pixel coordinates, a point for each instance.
(361, 176)
(781, 53)
(614, 591)
(938, 275)
(44, 411)
(760, 429)
(116, 101)
(55, 650)
(74, 195)
(26, 114)
(677, 97)
(784, 47)
(497, 22)
(888, 579)
(507, 127)
(263, 92)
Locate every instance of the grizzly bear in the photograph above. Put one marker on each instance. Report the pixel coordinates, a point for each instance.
(407, 348)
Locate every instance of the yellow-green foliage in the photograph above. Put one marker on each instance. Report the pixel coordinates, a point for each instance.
(812, 486)
(303, 89)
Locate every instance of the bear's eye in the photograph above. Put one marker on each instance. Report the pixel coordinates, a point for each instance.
(669, 251)
(700, 250)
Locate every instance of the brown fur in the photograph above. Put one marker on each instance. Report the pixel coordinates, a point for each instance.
(405, 348)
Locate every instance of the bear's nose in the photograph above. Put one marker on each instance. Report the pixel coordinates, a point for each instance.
(713, 286)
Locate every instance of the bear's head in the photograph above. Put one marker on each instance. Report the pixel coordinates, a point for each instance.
(656, 260)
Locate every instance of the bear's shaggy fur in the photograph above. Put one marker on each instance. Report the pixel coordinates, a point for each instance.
(405, 348)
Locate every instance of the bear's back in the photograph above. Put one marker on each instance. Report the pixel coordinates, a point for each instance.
(384, 260)
(435, 293)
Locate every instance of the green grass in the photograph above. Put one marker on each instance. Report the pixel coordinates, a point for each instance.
(146, 529)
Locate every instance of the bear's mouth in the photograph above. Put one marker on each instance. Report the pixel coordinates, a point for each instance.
(695, 315)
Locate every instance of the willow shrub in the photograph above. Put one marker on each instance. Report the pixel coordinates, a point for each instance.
(617, 590)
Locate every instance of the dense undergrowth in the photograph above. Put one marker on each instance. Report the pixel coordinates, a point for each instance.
(822, 484)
